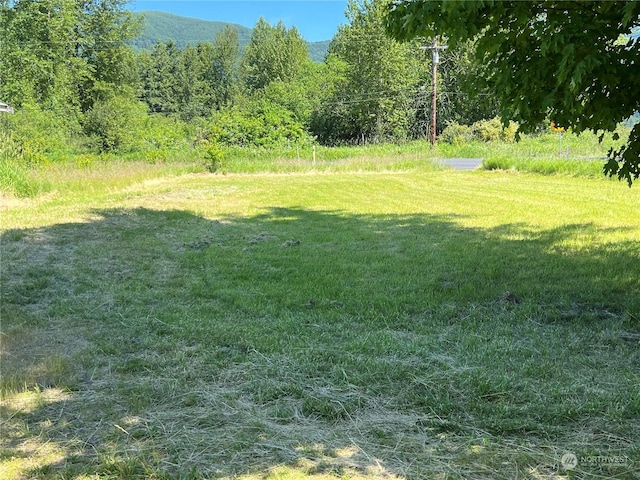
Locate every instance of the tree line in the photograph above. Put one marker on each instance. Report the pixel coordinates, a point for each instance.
(69, 69)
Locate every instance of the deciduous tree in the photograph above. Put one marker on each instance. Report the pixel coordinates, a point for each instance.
(375, 80)
(223, 71)
(38, 64)
(273, 53)
(64, 55)
(575, 63)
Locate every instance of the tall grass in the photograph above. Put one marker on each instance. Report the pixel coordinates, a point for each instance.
(557, 153)
(15, 173)
(547, 154)
(302, 158)
(17, 180)
(565, 154)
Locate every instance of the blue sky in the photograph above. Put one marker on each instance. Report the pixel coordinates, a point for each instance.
(315, 19)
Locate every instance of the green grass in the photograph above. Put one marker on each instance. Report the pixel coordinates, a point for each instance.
(324, 324)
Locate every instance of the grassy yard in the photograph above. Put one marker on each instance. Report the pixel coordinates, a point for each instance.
(349, 324)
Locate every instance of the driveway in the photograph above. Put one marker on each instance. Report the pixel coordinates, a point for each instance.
(461, 163)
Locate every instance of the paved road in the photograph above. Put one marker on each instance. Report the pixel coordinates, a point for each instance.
(462, 163)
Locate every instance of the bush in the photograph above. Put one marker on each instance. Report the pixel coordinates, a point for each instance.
(35, 134)
(22, 147)
(484, 131)
(509, 132)
(115, 124)
(258, 123)
(15, 174)
(456, 134)
(487, 130)
(214, 157)
(164, 133)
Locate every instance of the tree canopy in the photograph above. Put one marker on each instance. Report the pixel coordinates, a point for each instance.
(376, 79)
(64, 53)
(575, 63)
(273, 53)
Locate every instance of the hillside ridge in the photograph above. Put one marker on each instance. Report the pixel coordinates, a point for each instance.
(163, 26)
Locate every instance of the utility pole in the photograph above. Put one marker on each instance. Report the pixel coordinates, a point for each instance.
(435, 50)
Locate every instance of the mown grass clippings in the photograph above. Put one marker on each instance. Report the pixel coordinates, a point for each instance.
(416, 325)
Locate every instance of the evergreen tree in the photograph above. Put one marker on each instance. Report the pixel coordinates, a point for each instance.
(161, 72)
(193, 82)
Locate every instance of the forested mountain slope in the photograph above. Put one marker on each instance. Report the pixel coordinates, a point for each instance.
(161, 26)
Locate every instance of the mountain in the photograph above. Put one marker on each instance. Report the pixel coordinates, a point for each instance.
(318, 50)
(161, 27)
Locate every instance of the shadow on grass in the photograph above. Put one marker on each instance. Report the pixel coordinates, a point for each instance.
(153, 344)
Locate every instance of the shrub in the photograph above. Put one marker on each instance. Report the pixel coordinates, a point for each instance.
(18, 154)
(155, 155)
(114, 124)
(258, 123)
(85, 160)
(214, 157)
(484, 131)
(487, 130)
(509, 132)
(164, 133)
(36, 134)
(456, 134)
(15, 174)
